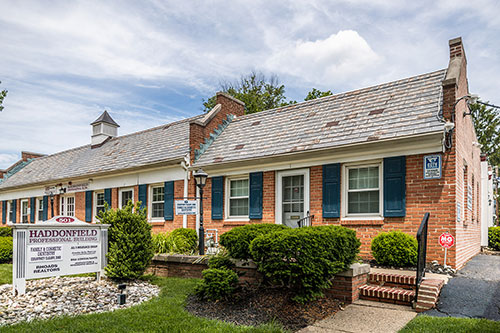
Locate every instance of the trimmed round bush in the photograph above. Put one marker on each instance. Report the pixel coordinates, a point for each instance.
(221, 261)
(6, 232)
(494, 238)
(395, 248)
(237, 240)
(217, 284)
(305, 259)
(5, 249)
(130, 243)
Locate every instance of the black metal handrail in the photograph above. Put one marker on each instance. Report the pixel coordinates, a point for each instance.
(422, 251)
(306, 220)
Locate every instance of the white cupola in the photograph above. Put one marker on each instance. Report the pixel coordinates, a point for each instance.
(103, 128)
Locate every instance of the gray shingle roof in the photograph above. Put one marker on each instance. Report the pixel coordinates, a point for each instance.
(163, 143)
(396, 109)
(105, 118)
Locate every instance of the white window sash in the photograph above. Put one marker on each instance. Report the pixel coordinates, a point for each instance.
(346, 190)
(228, 197)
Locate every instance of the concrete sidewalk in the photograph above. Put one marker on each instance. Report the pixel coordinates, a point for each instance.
(365, 316)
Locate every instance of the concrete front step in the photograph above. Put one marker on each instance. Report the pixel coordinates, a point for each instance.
(392, 280)
(387, 294)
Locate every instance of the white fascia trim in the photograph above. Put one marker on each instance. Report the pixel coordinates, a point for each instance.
(422, 144)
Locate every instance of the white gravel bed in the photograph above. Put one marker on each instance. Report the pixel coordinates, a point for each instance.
(68, 296)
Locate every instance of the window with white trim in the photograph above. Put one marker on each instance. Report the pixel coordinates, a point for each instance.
(10, 211)
(39, 209)
(237, 198)
(25, 211)
(67, 206)
(125, 195)
(363, 190)
(157, 202)
(99, 203)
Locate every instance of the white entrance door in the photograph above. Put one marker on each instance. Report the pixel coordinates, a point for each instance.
(292, 196)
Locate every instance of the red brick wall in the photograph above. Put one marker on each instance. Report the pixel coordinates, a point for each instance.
(198, 133)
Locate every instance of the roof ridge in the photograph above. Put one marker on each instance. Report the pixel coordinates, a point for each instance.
(121, 136)
(322, 99)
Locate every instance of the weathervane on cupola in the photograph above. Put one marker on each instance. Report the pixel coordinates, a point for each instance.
(103, 128)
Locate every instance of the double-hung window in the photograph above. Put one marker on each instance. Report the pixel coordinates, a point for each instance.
(10, 210)
(99, 203)
(24, 211)
(39, 209)
(157, 202)
(363, 190)
(126, 195)
(237, 202)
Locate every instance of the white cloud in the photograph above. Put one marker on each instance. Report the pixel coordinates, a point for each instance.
(7, 160)
(337, 57)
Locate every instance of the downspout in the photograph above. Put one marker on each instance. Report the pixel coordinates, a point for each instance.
(185, 165)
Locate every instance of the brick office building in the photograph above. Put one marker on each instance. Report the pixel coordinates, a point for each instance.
(354, 159)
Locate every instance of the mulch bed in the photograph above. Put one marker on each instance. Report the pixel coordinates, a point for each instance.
(258, 306)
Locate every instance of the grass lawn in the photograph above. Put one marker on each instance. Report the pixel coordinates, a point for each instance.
(447, 325)
(162, 314)
(5, 273)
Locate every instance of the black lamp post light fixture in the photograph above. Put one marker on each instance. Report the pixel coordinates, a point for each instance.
(201, 179)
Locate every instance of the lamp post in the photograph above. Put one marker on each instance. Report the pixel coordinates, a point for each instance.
(52, 203)
(201, 178)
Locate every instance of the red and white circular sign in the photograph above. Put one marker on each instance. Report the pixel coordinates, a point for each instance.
(446, 240)
(65, 219)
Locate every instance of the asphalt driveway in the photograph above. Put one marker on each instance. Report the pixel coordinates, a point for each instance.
(474, 292)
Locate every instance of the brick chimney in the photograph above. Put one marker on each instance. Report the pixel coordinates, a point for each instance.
(204, 129)
(455, 83)
(25, 155)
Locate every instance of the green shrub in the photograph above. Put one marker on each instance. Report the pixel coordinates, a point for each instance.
(221, 262)
(237, 240)
(494, 238)
(217, 284)
(180, 240)
(5, 249)
(130, 243)
(395, 248)
(185, 240)
(305, 259)
(5, 232)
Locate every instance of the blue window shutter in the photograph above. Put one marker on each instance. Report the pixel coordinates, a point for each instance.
(14, 209)
(331, 190)
(4, 212)
(395, 186)
(256, 195)
(45, 207)
(107, 196)
(143, 195)
(217, 197)
(168, 203)
(32, 209)
(88, 206)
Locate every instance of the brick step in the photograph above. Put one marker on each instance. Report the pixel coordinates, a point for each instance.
(428, 294)
(386, 294)
(392, 280)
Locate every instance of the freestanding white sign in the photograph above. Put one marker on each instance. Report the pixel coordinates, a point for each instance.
(186, 207)
(62, 245)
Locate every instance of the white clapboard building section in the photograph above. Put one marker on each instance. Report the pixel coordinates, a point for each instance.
(60, 246)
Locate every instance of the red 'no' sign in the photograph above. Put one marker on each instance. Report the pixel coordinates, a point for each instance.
(446, 240)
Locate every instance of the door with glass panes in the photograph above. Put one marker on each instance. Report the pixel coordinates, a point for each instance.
(293, 196)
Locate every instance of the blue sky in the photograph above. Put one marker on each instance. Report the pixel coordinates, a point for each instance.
(152, 62)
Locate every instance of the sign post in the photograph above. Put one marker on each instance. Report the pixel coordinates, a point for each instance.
(446, 240)
(62, 245)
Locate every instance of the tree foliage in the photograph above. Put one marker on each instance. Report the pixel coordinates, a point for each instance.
(315, 93)
(3, 94)
(258, 91)
(487, 124)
